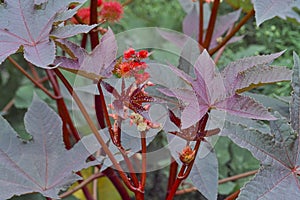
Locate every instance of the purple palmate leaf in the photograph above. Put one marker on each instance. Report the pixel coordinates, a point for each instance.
(250, 72)
(278, 150)
(278, 177)
(97, 64)
(244, 106)
(211, 90)
(42, 165)
(190, 24)
(24, 24)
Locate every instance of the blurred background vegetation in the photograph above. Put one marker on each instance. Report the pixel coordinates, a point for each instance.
(272, 36)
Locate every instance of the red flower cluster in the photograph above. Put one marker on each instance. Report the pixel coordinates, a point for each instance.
(84, 14)
(110, 11)
(133, 66)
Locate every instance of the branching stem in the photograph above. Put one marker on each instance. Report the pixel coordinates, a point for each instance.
(172, 174)
(83, 183)
(211, 24)
(201, 22)
(232, 32)
(144, 160)
(225, 180)
(95, 130)
(35, 82)
(186, 168)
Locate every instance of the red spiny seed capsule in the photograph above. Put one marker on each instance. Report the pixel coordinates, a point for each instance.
(111, 11)
(187, 155)
(84, 14)
(142, 54)
(129, 53)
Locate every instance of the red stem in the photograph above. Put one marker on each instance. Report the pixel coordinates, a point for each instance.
(34, 72)
(43, 79)
(144, 160)
(62, 107)
(111, 174)
(85, 190)
(201, 22)
(8, 106)
(99, 107)
(35, 82)
(224, 180)
(68, 126)
(221, 50)
(186, 169)
(176, 184)
(95, 130)
(211, 24)
(130, 168)
(84, 40)
(117, 139)
(61, 111)
(233, 32)
(233, 196)
(172, 174)
(102, 110)
(94, 20)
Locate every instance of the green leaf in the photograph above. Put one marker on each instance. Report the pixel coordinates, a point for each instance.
(226, 188)
(24, 96)
(246, 5)
(35, 196)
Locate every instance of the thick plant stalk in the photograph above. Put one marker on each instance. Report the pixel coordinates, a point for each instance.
(111, 174)
(63, 111)
(144, 161)
(172, 174)
(100, 106)
(225, 180)
(116, 140)
(211, 24)
(95, 130)
(201, 23)
(233, 196)
(232, 32)
(186, 168)
(35, 82)
(93, 20)
(81, 185)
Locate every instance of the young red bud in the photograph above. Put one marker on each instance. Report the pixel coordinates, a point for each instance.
(187, 155)
(143, 54)
(129, 53)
